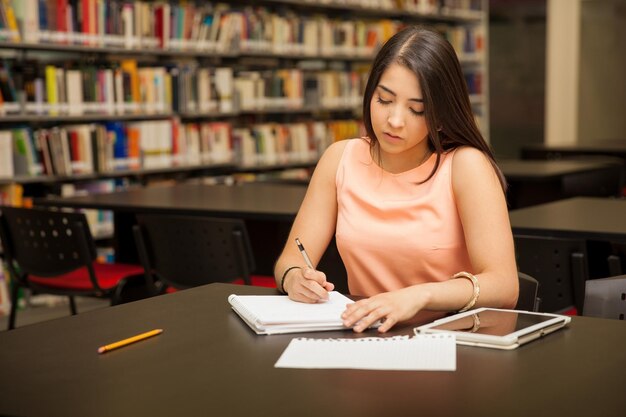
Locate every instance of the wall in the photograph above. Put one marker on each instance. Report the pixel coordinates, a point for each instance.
(602, 81)
(586, 67)
(517, 36)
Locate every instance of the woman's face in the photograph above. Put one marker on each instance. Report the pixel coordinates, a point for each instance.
(397, 114)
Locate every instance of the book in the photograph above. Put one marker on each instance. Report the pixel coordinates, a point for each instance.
(6, 154)
(398, 353)
(274, 314)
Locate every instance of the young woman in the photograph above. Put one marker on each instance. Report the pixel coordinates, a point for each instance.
(417, 207)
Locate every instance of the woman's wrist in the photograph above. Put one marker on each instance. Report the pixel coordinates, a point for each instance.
(420, 295)
(281, 287)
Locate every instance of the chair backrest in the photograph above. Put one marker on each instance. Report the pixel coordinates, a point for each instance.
(528, 290)
(187, 251)
(45, 243)
(606, 297)
(560, 266)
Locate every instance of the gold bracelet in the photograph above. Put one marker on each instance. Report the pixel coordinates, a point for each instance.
(476, 325)
(476, 286)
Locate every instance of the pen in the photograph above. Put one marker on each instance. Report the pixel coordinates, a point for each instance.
(304, 254)
(130, 340)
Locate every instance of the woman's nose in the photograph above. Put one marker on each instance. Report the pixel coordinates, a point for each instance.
(396, 117)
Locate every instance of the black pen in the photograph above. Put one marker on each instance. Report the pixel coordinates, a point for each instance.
(304, 254)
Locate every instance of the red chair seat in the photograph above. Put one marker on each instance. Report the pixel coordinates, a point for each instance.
(107, 274)
(573, 311)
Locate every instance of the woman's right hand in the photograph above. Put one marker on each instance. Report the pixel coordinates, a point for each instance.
(307, 285)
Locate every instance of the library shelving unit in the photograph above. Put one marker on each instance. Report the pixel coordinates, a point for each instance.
(121, 92)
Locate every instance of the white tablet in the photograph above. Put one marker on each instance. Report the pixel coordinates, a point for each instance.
(496, 328)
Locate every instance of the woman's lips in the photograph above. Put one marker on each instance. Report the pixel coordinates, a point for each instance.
(389, 135)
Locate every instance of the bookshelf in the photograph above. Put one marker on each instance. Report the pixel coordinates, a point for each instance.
(127, 91)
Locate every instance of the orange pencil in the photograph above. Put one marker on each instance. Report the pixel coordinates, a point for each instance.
(130, 340)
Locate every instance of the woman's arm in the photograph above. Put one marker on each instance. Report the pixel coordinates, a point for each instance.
(482, 207)
(314, 226)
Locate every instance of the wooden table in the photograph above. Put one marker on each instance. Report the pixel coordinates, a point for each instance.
(534, 182)
(609, 147)
(208, 362)
(602, 219)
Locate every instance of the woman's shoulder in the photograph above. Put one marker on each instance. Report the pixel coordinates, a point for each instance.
(471, 166)
(467, 157)
(340, 145)
(336, 149)
(332, 157)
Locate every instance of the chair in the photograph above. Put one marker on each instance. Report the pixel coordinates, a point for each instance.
(606, 297)
(53, 252)
(560, 267)
(188, 251)
(616, 258)
(528, 290)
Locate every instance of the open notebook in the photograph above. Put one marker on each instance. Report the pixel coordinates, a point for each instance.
(399, 353)
(272, 314)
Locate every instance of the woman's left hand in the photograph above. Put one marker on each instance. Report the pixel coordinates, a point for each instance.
(390, 307)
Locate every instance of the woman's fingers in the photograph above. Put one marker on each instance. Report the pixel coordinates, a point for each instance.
(388, 323)
(365, 313)
(357, 312)
(310, 287)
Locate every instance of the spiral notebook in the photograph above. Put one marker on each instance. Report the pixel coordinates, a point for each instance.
(399, 353)
(273, 314)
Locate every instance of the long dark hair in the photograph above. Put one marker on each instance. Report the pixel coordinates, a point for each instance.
(447, 107)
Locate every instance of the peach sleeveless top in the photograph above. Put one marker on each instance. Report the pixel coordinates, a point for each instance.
(392, 232)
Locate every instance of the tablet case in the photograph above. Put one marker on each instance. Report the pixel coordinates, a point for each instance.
(507, 342)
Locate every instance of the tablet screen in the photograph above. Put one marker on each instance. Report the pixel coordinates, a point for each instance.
(493, 322)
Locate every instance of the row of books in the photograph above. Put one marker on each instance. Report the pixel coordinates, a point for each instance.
(198, 26)
(295, 88)
(116, 146)
(125, 88)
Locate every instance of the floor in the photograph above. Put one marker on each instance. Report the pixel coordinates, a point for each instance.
(44, 308)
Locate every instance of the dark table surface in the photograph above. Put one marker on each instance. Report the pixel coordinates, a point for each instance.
(611, 147)
(208, 362)
(247, 201)
(540, 170)
(579, 217)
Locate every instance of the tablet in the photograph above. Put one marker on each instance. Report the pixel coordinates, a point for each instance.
(496, 328)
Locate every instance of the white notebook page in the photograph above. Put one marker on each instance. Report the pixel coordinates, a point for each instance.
(401, 353)
(275, 309)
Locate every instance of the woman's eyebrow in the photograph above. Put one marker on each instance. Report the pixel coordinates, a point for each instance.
(419, 100)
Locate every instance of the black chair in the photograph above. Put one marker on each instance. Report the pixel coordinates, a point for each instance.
(616, 259)
(528, 291)
(606, 297)
(53, 252)
(560, 267)
(188, 251)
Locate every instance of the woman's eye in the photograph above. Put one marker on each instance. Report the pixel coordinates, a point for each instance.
(383, 102)
(417, 113)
